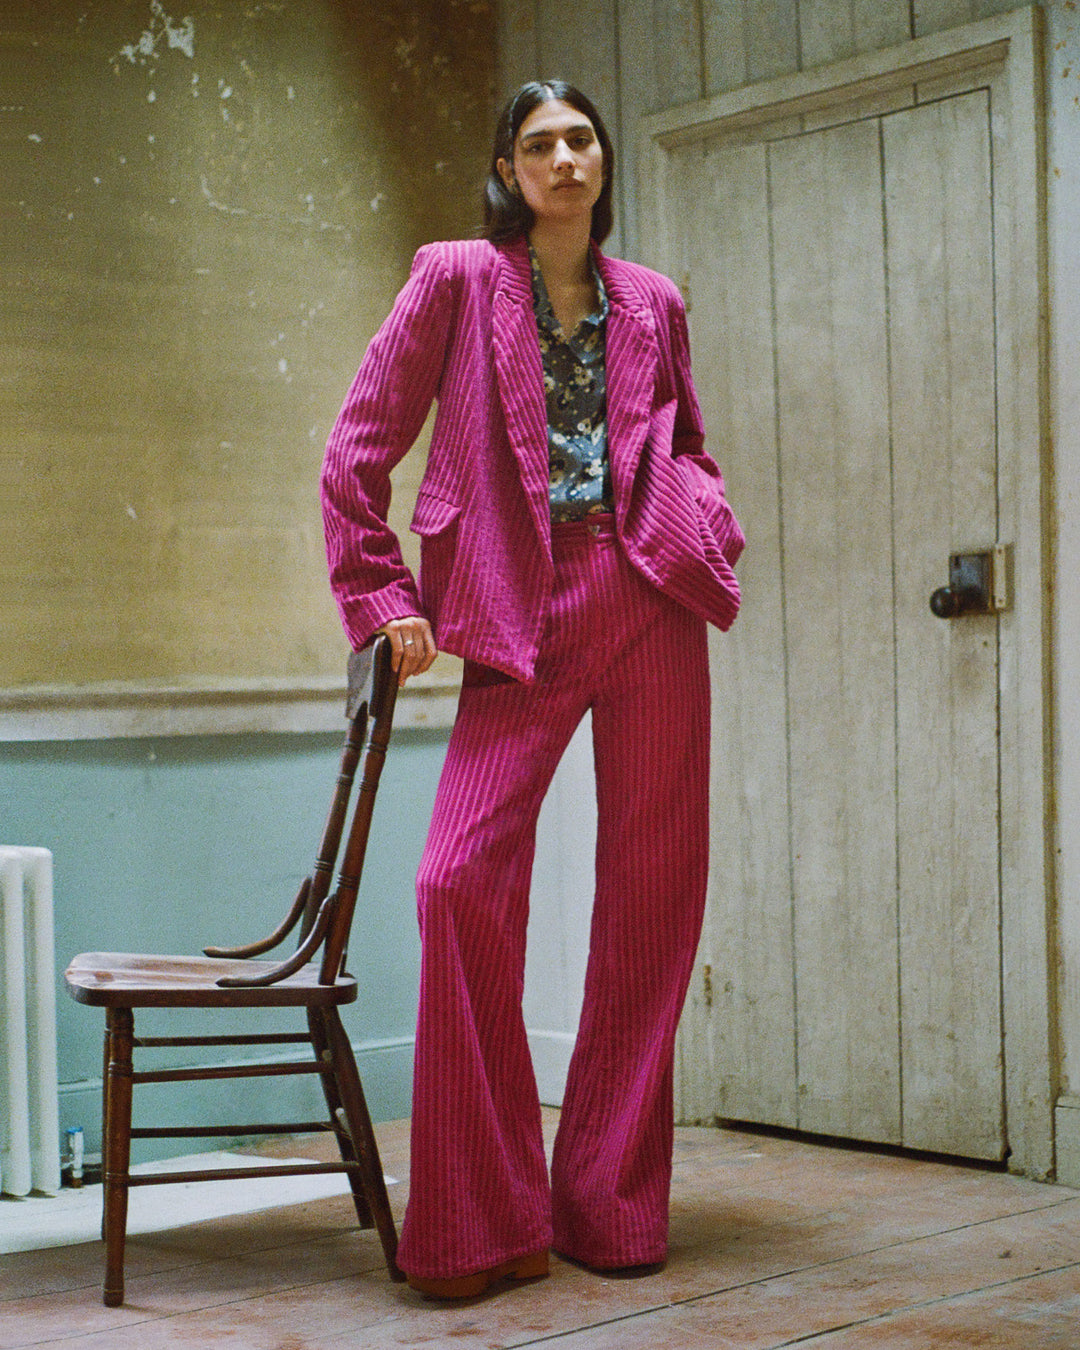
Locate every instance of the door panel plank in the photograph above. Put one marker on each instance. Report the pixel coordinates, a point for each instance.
(748, 40)
(830, 30)
(662, 48)
(835, 492)
(737, 1050)
(941, 301)
(932, 16)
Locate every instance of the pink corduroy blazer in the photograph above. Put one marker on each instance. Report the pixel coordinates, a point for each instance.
(463, 332)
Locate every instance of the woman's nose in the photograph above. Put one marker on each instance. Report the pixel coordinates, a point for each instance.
(563, 155)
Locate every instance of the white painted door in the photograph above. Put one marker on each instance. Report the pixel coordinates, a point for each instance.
(841, 283)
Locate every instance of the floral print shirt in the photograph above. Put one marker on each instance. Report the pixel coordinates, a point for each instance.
(574, 388)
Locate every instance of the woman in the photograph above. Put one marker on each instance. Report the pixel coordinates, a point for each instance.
(575, 540)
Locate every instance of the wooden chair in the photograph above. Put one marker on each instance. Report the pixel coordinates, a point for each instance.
(312, 978)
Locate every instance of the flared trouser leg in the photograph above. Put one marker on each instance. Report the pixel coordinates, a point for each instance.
(479, 1189)
(611, 1169)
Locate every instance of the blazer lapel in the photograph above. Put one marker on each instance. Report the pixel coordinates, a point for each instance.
(631, 357)
(520, 376)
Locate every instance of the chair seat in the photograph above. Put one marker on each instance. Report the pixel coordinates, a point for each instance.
(134, 980)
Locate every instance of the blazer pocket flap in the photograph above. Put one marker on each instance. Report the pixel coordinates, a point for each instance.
(433, 514)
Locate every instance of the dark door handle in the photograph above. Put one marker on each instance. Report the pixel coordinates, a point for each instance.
(948, 601)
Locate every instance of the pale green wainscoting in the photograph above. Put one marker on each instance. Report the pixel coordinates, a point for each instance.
(173, 843)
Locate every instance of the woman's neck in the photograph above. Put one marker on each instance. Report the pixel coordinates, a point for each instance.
(563, 255)
(562, 252)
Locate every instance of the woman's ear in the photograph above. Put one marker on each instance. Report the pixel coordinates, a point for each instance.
(506, 173)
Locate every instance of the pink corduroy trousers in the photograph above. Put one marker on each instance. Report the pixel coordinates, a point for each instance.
(480, 1192)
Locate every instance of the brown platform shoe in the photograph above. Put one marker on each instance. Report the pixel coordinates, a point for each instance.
(531, 1266)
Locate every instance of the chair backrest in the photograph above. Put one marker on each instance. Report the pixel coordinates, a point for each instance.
(363, 671)
(372, 699)
(325, 918)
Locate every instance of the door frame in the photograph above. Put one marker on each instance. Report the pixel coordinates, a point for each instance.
(1004, 54)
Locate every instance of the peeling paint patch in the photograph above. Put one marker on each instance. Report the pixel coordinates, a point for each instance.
(180, 36)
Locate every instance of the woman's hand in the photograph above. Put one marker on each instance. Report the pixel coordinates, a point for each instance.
(413, 645)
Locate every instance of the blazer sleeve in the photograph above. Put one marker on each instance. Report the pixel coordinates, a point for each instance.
(689, 439)
(380, 419)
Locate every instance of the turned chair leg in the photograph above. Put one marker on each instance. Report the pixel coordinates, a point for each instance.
(321, 1045)
(116, 1148)
(363, 1138)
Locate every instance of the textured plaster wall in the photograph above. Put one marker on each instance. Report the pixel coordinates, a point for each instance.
(208, 210)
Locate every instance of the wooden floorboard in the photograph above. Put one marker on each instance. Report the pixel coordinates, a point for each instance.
(775, 1242)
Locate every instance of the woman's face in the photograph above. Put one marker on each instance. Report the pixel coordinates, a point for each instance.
(558, 162)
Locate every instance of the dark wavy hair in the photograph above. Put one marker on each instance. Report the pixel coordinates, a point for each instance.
(506, 214)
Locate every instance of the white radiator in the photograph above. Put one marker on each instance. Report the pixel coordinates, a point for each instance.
(29, 1112)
